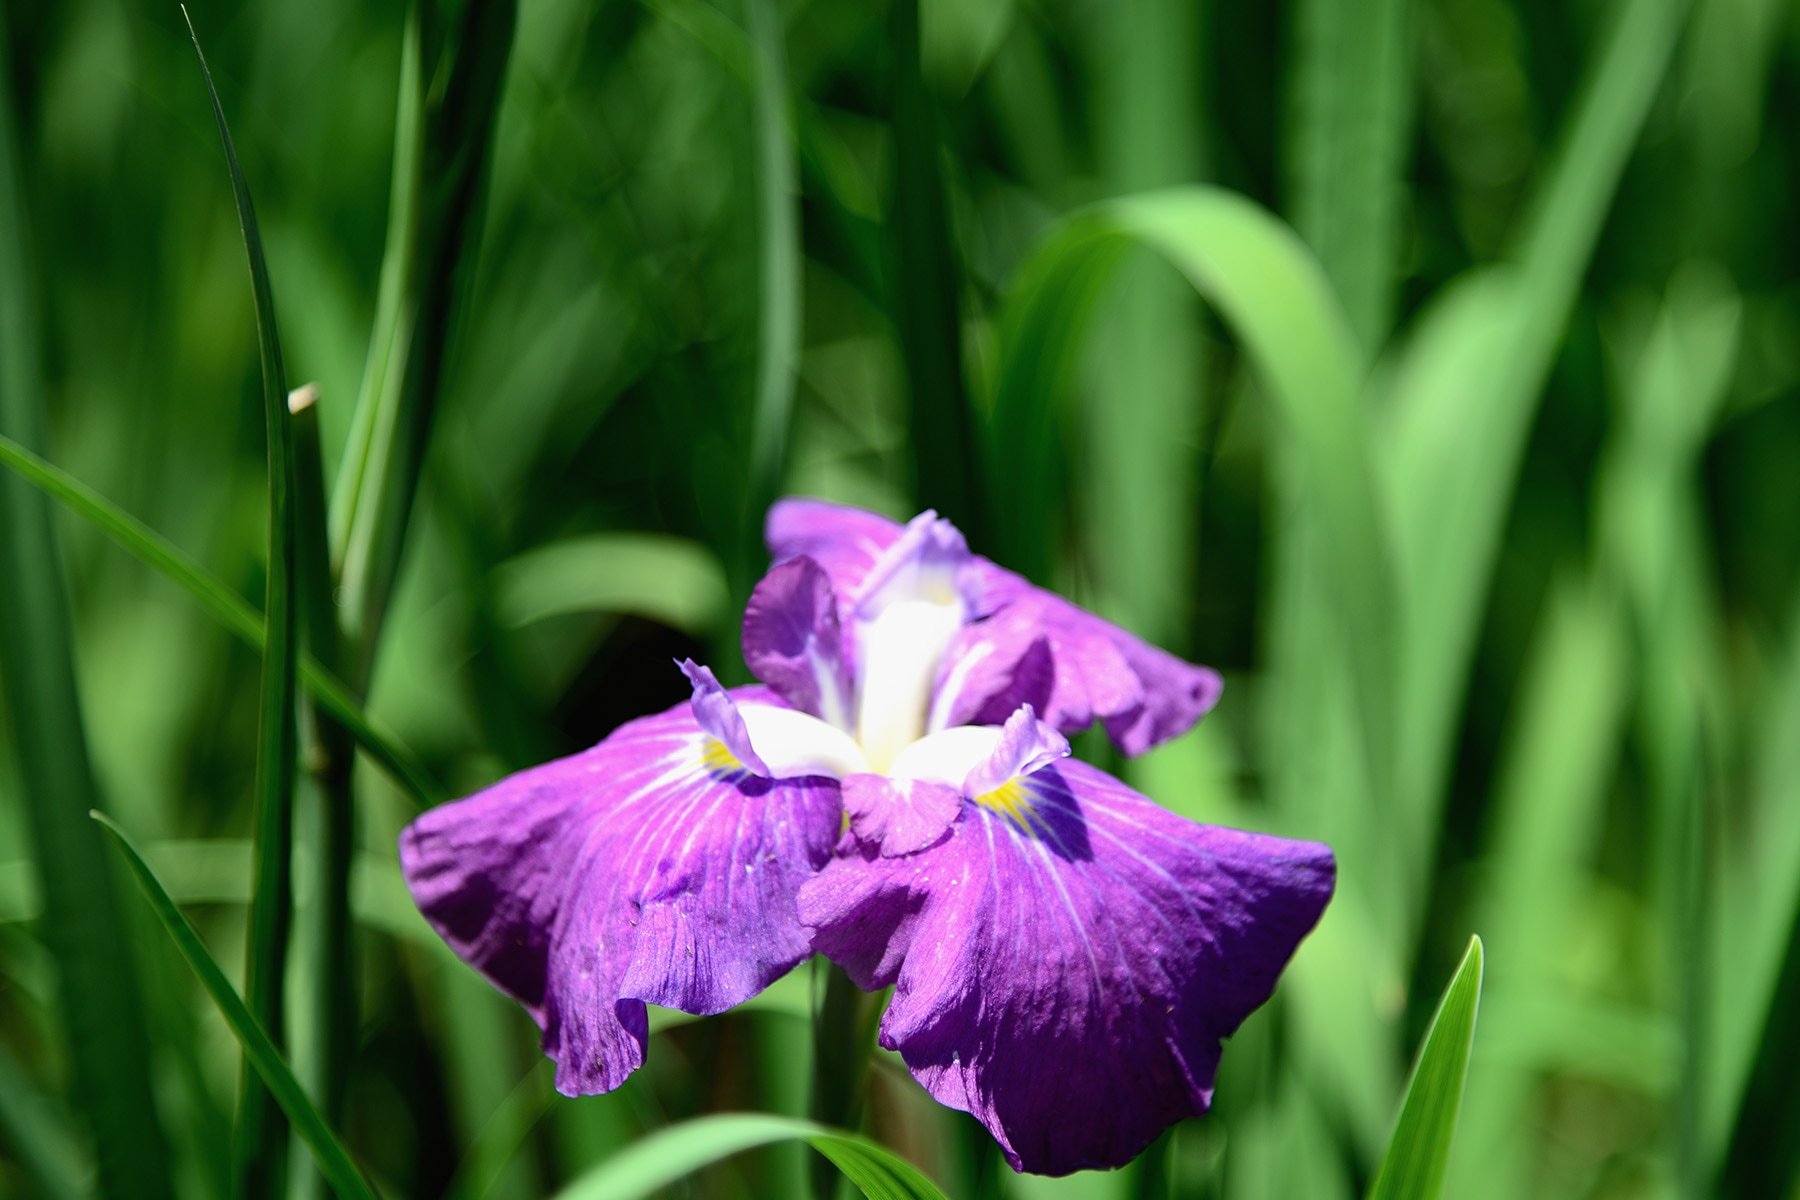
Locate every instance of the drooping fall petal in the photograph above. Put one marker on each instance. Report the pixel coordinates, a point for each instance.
(1067, 960)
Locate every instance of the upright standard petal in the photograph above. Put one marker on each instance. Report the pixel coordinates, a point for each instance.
(847, 542)
(1093, 671)
(793, 640)
(1066, 961)
(654, 867)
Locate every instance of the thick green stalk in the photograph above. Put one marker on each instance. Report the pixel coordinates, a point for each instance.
(101, 1000)
(328, 752)
(452, 66)
(261, 1146)
(843, 1038)
(926, 293)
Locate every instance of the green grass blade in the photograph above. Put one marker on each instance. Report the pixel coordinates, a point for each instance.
(261, 1133)
(453, 66)
(101, 1004)
(226, 606)
(1548, 812)
(38, 1136)
(926, 295)
(1757, 925)
(330, 1013)
(778, 222)
(1413, 1167)
(1353, 80)
(1143, 389)
(259, 1050)
(672, 1154)
(1272, 295)
(1467, 389)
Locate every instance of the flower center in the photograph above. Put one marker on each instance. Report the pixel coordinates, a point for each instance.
(900, 651)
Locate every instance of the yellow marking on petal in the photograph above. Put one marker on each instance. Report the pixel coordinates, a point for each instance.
(1011, 800)
(718, 759)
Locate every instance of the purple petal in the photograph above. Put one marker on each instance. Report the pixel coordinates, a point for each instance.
(1065, 974)
(644, 869)
(845, 541)
(993, 667)
(793, 641)
(717, 715)
(926, 561)
(1026, 744)
(1144, 695)
(899, 816)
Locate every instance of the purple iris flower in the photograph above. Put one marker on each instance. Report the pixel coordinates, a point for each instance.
(1065, 954)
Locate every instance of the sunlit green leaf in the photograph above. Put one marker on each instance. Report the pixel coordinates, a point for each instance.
(674, 1153)
(261, 1053)
(100, 1007)
(1417, 1157)
(230, 609)
(666, 579)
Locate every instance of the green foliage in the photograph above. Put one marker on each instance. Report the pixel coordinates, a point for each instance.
(230, 609)
(106, 1038)
(1418, 1155)
(1426, 365)
(259, 1050)
(680, 1150)
(261, 1135)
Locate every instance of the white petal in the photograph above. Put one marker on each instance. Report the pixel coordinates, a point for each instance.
(900, 651)
(794, 743)
(946, 756)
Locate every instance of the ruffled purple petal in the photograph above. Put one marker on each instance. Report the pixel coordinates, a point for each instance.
(992, 668)
(846, 542)
(1098, 672)
(899, 816)
(649, 868)
(793, 640)
(1067, 960)
(1144, 695)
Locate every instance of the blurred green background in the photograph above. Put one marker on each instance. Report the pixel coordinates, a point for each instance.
(1483, 492)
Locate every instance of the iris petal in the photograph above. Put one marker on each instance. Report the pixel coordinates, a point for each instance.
(793, 641)
(647, 868)
(1065, 970)
(846, 542)
(1095, 670)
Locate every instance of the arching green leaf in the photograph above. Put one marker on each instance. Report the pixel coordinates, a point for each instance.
(679, 1151)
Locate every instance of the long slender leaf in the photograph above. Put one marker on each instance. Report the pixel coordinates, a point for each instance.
(1548, 809)
(453, 66)
(38, 1136)
(1352, 108)
(330, 1014)
(1413, 1167)
(926, 292)
(259, 1050)
(1143, 391)
(778, 222)
(1463, 401)
(1757, 927)
(1271, 293)
(226, 606)
(261, 1134)
(101, 1001)
(671, 1154)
